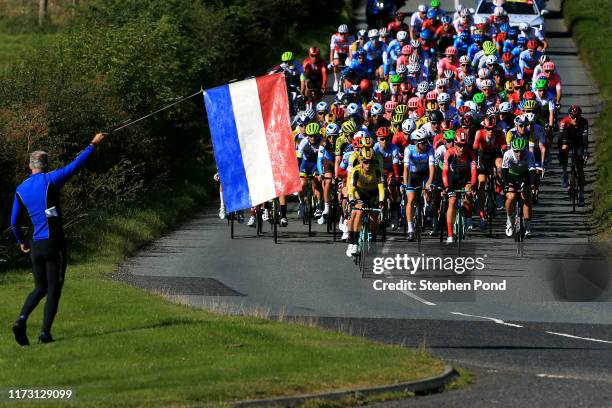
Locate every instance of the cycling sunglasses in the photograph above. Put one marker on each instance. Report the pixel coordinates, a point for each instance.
(366, 161)
(548, 72)
(382, 139)
(461, 145)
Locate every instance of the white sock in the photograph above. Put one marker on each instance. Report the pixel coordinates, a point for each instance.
(410, 226)
(326, 206)
(222, 205)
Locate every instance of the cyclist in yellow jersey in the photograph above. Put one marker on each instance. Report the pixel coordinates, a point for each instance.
(365, 188)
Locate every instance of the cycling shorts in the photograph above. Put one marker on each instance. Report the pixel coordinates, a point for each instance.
(416, 180)
(308, 168)
(456, 181)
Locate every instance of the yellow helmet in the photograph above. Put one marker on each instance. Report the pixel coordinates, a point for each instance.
(509, 86)
(383, 86)
(397, 118)
(530, 105)
(366, 153)
(431, 106)
(367, 142)
(401, 108)
(349, 127)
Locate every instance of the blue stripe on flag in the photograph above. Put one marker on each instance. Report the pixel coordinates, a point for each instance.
(227, 148)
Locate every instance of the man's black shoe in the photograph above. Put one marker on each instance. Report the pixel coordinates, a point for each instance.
(411, 237)
(21, 336)
(45, 338)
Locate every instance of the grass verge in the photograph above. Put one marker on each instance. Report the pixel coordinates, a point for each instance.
(120, 346)
(589, 23)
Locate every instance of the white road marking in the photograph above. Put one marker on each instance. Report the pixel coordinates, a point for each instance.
(579, 338)
(550, 376)
(385, 250)
(493, 319)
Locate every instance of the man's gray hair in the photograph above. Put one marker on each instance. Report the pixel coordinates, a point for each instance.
(39, 160)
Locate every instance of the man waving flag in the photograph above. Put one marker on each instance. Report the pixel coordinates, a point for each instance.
(251, 134)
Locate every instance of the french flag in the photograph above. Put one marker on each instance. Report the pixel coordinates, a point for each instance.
(251, 134)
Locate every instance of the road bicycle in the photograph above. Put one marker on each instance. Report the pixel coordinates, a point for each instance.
(460, 224)
(490, 206)
(365, 246)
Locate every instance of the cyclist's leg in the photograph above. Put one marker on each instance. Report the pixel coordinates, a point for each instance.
(451, 213)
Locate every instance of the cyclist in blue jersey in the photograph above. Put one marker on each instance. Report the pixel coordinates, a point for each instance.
(39, 197)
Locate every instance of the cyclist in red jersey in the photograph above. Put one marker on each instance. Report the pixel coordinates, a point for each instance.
(315, 75)
(397, 24)
(459, 172)
(489, 144)
(574, 136)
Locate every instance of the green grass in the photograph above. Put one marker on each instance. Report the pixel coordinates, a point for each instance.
(14, 46)
(589, 21)
(120, 346)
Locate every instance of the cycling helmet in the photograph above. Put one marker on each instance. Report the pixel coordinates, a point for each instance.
(435, 117)
(443, 98)
(332, 129)
(486, 84)
(425, 35)
(383, 32)
(523, 27)
(431, 96)
(422, 8)
(313, 129)
(435, 3)
(408, 126)
(529, 95)
(366, 153)
(530, 105)
(530, 117)
(532, 44)
(471, 105)
(492, 111)
(518, 144)
(504, 28)
(390, 106)
(574, 110)
(313, 51)
(507, 57)
(447, 19)
(519, 83)
(383, 132)
(322, 106)
(468, 80)
(349, 127)
(541, 84)
(337, 111)
(353, 109)
(520, 120)
(405, 88)
(484, 73)
(465, 12)
(407, 50)
(449, 135)
(310, 114)
(491, 60)
(544, 59)
(521, 40)
(383, 86)
(464, 36)
(451, 51)
(431, 14)
(489, 48)
(423, 87)
(343, 29)
(376, 109)
(361, 34)
(548, 66)
(461, 137)
(373, 33)
(414, 59)
(401, 69)
(414, 68)
(365, 85)
(401, 108)
(505, 107)
(415, 43)
(361, 52)
(489, 122)
(401, 36)
(397, 118)
(467, 120)
(395, 79)
(478, 38)
(414, 102)
(509, 86)
(431, 106)
(366, 141)
(478, 98)
(286, 56)
(419, 136)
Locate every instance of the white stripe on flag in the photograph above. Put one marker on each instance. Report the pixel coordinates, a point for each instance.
(253, 142)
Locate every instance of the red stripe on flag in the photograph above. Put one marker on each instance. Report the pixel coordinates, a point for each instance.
(277, 123)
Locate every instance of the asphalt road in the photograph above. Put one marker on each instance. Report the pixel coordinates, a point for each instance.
(545, 340)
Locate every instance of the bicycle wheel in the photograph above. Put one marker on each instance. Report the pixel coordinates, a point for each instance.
(519, 232)
(418, 223)
(231, 216)
(574, 186)
(308, 210)
(491, 204)
(275, 219)
(442, 219)
(259, 226)
(365, 248)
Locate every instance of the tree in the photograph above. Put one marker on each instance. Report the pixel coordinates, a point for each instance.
(43, 11)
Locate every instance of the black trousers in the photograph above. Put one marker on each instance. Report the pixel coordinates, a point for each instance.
(49, 269)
